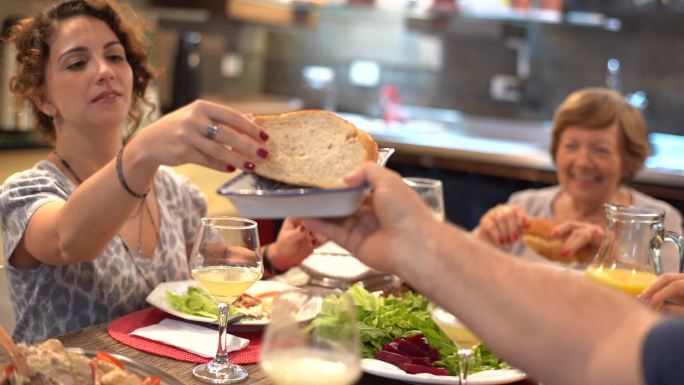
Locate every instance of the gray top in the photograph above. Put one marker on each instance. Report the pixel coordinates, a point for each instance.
(50, 300)
(539, 203)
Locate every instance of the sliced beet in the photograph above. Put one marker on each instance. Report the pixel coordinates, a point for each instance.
(421, 360)
(409, 348)
(419, 340)
(392, 347)
(392, 358)
(414, 369)
(435, 355)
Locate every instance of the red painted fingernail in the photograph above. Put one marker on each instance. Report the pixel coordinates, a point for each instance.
(502, 241)
(516, 236)
(249, 166)
(262, 152)
(565, 252)
(525, 221)
(264, 136)
(230, 168)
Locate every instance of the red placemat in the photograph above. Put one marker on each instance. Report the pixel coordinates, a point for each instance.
(121, 328)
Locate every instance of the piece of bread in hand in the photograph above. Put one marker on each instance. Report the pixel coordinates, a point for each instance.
(537, 236)
(313, 148)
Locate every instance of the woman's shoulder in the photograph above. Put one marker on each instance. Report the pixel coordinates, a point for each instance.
(41, 174)
(534, 194)
(171, 180)
(643, 200)
(168, 176)
(537, 202)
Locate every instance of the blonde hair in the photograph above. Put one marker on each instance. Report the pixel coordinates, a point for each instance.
(598, 108)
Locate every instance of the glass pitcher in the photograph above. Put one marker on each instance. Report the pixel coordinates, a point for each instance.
(629, 257)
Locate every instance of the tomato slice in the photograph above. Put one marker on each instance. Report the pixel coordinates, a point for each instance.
(97, 374)
(102, 356)
(151, 380)
(6, 373)
(265, 294)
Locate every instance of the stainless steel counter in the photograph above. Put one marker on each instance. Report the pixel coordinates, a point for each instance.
(510, 143)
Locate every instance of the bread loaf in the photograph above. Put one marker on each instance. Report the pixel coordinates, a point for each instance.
(537, 236)
(313, 148)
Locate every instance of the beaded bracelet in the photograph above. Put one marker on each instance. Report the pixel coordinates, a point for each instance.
(122, 180)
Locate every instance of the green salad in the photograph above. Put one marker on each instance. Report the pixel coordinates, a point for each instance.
(196, 301)
(382, 319)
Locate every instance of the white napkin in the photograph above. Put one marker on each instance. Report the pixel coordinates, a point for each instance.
(189, 337)
(331, 247)
(331, 260)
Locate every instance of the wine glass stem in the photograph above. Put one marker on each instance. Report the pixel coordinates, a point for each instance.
(221, 352)
(464, 356)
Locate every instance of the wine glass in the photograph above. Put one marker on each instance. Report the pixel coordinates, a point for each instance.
(465, 340)
(312, 338)
(226, 261)
(431, 192)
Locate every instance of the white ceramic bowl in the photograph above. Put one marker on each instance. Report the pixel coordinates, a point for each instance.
(255, 197)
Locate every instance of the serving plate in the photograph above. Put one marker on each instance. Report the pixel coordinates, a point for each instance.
(486, 377)
(158, 299)
(138, 368)
(256, 197)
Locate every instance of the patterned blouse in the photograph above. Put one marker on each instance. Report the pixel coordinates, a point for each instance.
(51, 300)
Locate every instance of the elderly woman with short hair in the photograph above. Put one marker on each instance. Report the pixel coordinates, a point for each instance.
(599, 142)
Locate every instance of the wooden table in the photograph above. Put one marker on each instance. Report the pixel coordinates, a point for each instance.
(97, 338)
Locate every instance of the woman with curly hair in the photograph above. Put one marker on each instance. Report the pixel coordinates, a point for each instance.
(93, 228)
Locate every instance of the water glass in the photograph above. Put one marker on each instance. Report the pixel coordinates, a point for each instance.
(431, 192)
(312, 339)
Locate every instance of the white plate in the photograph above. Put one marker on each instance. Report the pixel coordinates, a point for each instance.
(255, 197)
(487, 377)
(157, 298)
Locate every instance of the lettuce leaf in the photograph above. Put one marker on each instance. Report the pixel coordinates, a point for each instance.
(382, 319)
(194, 301)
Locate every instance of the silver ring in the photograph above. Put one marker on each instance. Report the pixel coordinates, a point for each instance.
(212, 131)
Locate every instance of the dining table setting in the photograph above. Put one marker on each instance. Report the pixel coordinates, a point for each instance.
(166, 341)
(174, 366)
(227, 325)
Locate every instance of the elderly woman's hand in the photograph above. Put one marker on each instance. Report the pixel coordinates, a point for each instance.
(294, 243)
(666, 294)
(502, 225)
(579, 235)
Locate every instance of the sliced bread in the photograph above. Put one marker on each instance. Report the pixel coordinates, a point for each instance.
(313, 148)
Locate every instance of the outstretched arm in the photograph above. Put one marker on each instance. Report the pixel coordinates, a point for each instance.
(559, 328)
(77, 230)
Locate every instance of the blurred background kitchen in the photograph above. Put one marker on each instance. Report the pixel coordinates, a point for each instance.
(463, 89)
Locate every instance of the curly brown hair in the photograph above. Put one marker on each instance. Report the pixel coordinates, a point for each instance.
(32, 38)
(598, 108)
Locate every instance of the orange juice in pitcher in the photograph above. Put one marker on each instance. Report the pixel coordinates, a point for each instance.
(629, 257)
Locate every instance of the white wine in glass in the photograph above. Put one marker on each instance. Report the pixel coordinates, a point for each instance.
(465, 340)
(226, 261)
(299, 349)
